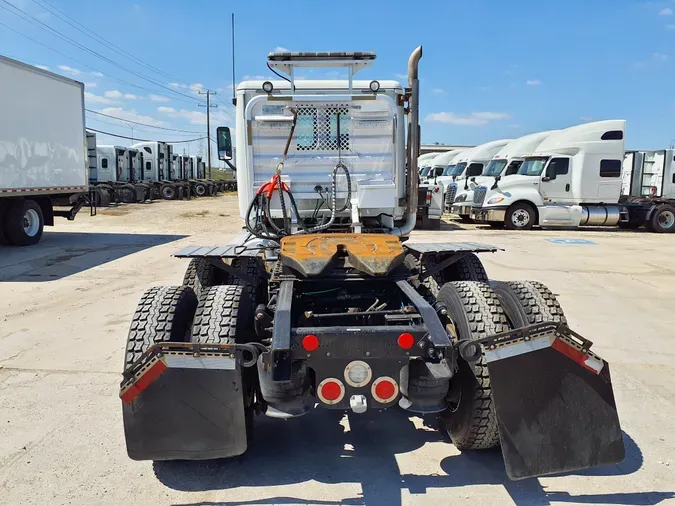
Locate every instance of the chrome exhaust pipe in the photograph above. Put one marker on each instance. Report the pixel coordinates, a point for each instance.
(413, 150)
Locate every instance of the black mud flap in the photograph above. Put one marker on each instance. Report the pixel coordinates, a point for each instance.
(554, 402)
(182, 405)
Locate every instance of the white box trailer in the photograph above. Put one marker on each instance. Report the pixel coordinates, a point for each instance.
(43, 151)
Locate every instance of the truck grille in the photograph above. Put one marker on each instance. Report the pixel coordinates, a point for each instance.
(450, 193)
(479, 196)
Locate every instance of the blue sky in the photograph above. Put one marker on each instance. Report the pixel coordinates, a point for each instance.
(491, 69)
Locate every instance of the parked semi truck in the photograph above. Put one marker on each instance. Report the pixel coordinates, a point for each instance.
(573, 179)
(507, 161)
(43, 151)
(322, 301)
(470, 163)
(118, 174)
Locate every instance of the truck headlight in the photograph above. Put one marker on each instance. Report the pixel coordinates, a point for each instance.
(495, 200)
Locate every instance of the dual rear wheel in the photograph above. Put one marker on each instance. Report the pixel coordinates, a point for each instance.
(478, 309)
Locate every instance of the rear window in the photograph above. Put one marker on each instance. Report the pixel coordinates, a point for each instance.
(104, 163)
(610, 168)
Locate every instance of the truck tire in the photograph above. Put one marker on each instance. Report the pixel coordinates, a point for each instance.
(201, 275)
(164, 314)
(520, 216)
(201, 190)
(24, 222)
(476, 313)
(254, 270)
(167, 191)
(528, 302)
(662, 219)
(467, 268)
(128, 194)
(465, 218)
(224, 315)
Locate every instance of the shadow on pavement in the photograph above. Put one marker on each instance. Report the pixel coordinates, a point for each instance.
(62, 254)
(316, 447)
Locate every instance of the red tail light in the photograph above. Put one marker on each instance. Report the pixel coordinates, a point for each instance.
(310, 342)
(384, 389)
(406, 341)
(331, 391)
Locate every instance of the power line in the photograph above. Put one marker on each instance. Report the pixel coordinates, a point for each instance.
(191, 101)
(143, 124)
(121, 125)
(45, 26)
(142, 140)
(91, 34)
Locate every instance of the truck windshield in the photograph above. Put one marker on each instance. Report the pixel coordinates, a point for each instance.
(456, 170)
(448, 170)
(425, 171)
(495, 168)
(532, 166)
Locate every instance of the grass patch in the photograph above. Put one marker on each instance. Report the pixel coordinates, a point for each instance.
(198, 214)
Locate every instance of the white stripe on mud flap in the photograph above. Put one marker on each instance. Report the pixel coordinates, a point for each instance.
(519, 348)
(192, 362)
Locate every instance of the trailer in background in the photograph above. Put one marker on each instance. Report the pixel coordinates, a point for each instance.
(43, 151)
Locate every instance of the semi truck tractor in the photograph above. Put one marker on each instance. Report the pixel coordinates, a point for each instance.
(321, 300)
(470, 163)
(574, 178)
(44, 155)
(159, 171)
(507, 161)
(118, 173)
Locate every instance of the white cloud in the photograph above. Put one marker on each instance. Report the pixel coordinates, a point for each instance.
(158, 98)
(670, 27)
(116, 94)
(196, 86)
(131, 115)
(666, 12)
(280, 49)
(474, 118)
(43, 67)
(533, 82)
(218, 117)
(256, 77)
(70, 70)
(90, 97)
(78, 72)
(90, 85)
(438, 91)
(585, 118)
(660, 57)
(402, 76)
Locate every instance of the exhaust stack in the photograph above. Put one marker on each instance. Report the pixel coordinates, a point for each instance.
(413, 143)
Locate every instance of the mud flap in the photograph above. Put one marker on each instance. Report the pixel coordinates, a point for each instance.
(180, 405)
(554, 402)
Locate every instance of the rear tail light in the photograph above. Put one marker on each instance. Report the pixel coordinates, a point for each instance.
(384, 390)
(358, 373)
(331, 391)
(406, 341)
(310, 342)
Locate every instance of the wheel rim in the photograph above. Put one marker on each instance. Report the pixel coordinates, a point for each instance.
(667, 219)
(200, 190)
(520, 218)
(167, 193)
(31, 222)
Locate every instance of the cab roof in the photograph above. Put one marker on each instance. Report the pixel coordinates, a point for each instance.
(318, 84)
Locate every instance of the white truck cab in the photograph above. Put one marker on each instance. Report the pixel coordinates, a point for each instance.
(440, 164)
(425, 162)
(470, 163)
(506, 162)
(573, 178)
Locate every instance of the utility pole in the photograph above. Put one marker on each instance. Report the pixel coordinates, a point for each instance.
(208, 106)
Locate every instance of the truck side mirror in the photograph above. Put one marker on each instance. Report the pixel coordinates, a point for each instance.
(495, 185)
(224, 143)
